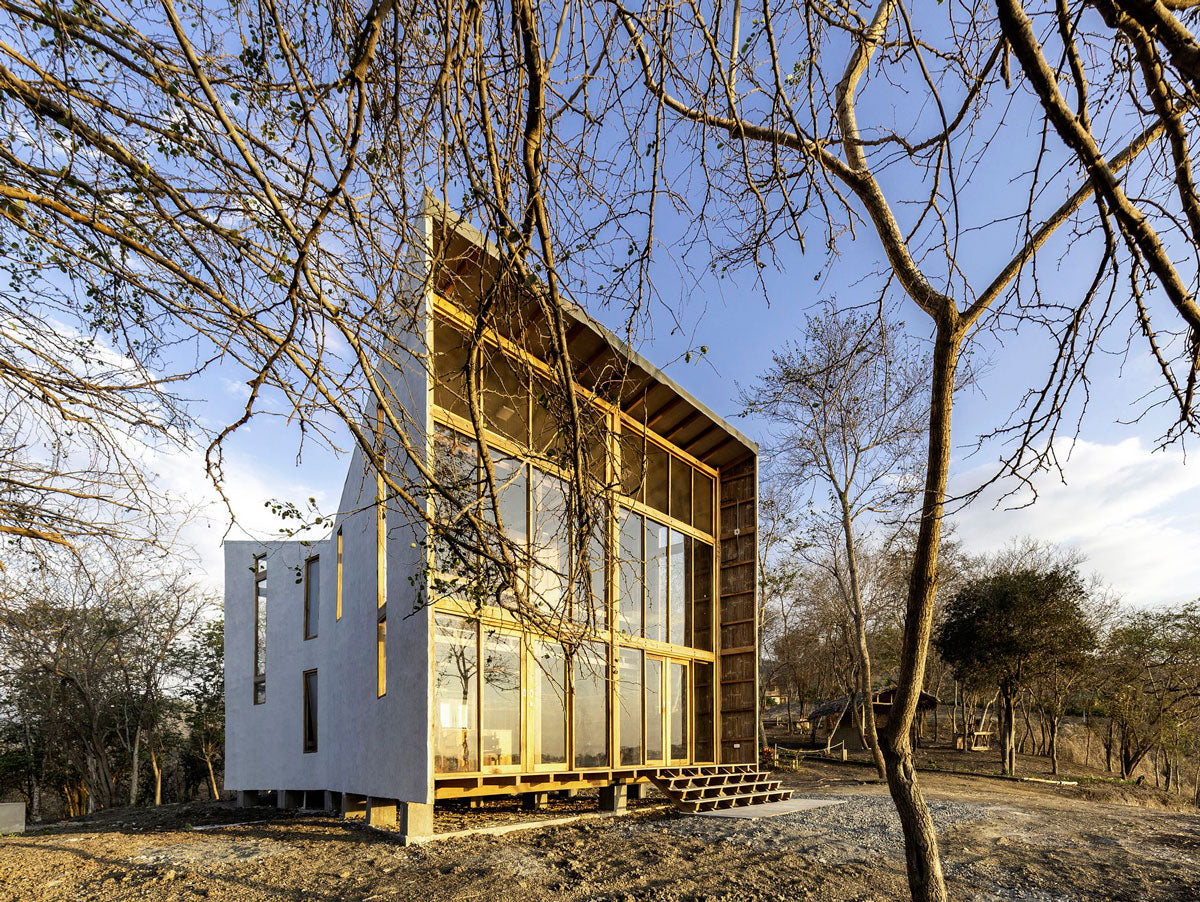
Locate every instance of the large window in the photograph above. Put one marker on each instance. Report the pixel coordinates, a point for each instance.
(629, 681)
(630, 573)
(654, 709)
(501, 699)
(664, 583)
(455, 694)
(312, 596)
(677, 711)
(310, 710)
(591, 705)
(551, 542)
(260, 629)
(548, 704)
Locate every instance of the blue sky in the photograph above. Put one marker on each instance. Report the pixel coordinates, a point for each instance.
(1134, 512)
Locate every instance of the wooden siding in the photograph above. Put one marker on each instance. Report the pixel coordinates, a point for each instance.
(738, 612)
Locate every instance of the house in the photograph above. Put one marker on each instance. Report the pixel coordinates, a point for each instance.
(362, 675)
(837, 716)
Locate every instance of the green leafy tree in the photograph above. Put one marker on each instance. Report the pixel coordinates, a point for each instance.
(1151, 687)
(202, 664)
(1010, 627)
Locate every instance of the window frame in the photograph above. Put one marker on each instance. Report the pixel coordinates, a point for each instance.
(312, 591)
(259, 673)
(309, 712)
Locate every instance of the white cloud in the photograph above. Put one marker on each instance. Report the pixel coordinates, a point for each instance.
(1134, 512)
(249, 482)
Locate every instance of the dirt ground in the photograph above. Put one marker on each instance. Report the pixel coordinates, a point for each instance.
(1000, 840)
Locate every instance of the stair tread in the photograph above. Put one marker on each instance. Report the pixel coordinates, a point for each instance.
(695, 788)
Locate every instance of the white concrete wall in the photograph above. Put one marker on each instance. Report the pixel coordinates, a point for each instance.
(366, 744)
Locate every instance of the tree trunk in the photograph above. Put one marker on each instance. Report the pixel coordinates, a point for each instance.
(135, 760)
(1054, 720)
(212, 777)
(925, 879)
(1008, 752)
(865, 688)
(157, 776)
(1108, 747)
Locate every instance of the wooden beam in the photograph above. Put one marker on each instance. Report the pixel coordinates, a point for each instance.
(683, 424)
(656, 418)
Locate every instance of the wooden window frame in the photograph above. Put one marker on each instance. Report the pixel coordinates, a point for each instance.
(338, 566)
(311, 623)
(309, 712)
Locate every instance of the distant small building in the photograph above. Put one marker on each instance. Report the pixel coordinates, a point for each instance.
(839, 717)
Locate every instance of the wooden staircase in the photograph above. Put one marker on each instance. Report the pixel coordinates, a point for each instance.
(710, 787)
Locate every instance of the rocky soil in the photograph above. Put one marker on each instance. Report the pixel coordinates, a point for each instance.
(1000, 841)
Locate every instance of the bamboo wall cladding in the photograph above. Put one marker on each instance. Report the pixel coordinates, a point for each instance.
(738, 610)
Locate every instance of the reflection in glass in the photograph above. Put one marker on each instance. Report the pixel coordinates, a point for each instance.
(551, 543)
(591, 706)
(455, 695)
(454, 466)
(630, 694)
(501, 699)
(548, 710)
(654, 709)
(656, 581)
(629, 574)
(680, 605)
(678, 713)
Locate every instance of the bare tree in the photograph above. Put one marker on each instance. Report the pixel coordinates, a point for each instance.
(98, 639)
(847, 407)
(790, 156)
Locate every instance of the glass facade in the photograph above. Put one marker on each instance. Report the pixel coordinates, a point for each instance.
(639, 592)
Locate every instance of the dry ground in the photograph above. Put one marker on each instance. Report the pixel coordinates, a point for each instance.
(1000, 840)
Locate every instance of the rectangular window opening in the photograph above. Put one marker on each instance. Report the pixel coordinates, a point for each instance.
(339, 574)
(260, 629)
(310, 711)
(312, 596)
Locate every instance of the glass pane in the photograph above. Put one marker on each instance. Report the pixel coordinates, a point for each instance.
(654, 709)
(505, 405)
(630, 684)
(449, 369)
(310, 711)
(260, 626)
(511, 488)
(633, 463)
(551, 542)
(680, 588)
(546, 435)
(455, 695)
(501, 699)
(657, 463)
(590, 605)
(512, 491)
(702, 502)
(591, 706)
(454, 465)
(702, 595)
(548, 713)
(656, 581)
(703, 707)
(681, 490)
(630, 574)
(312, 596)
(679, 712)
